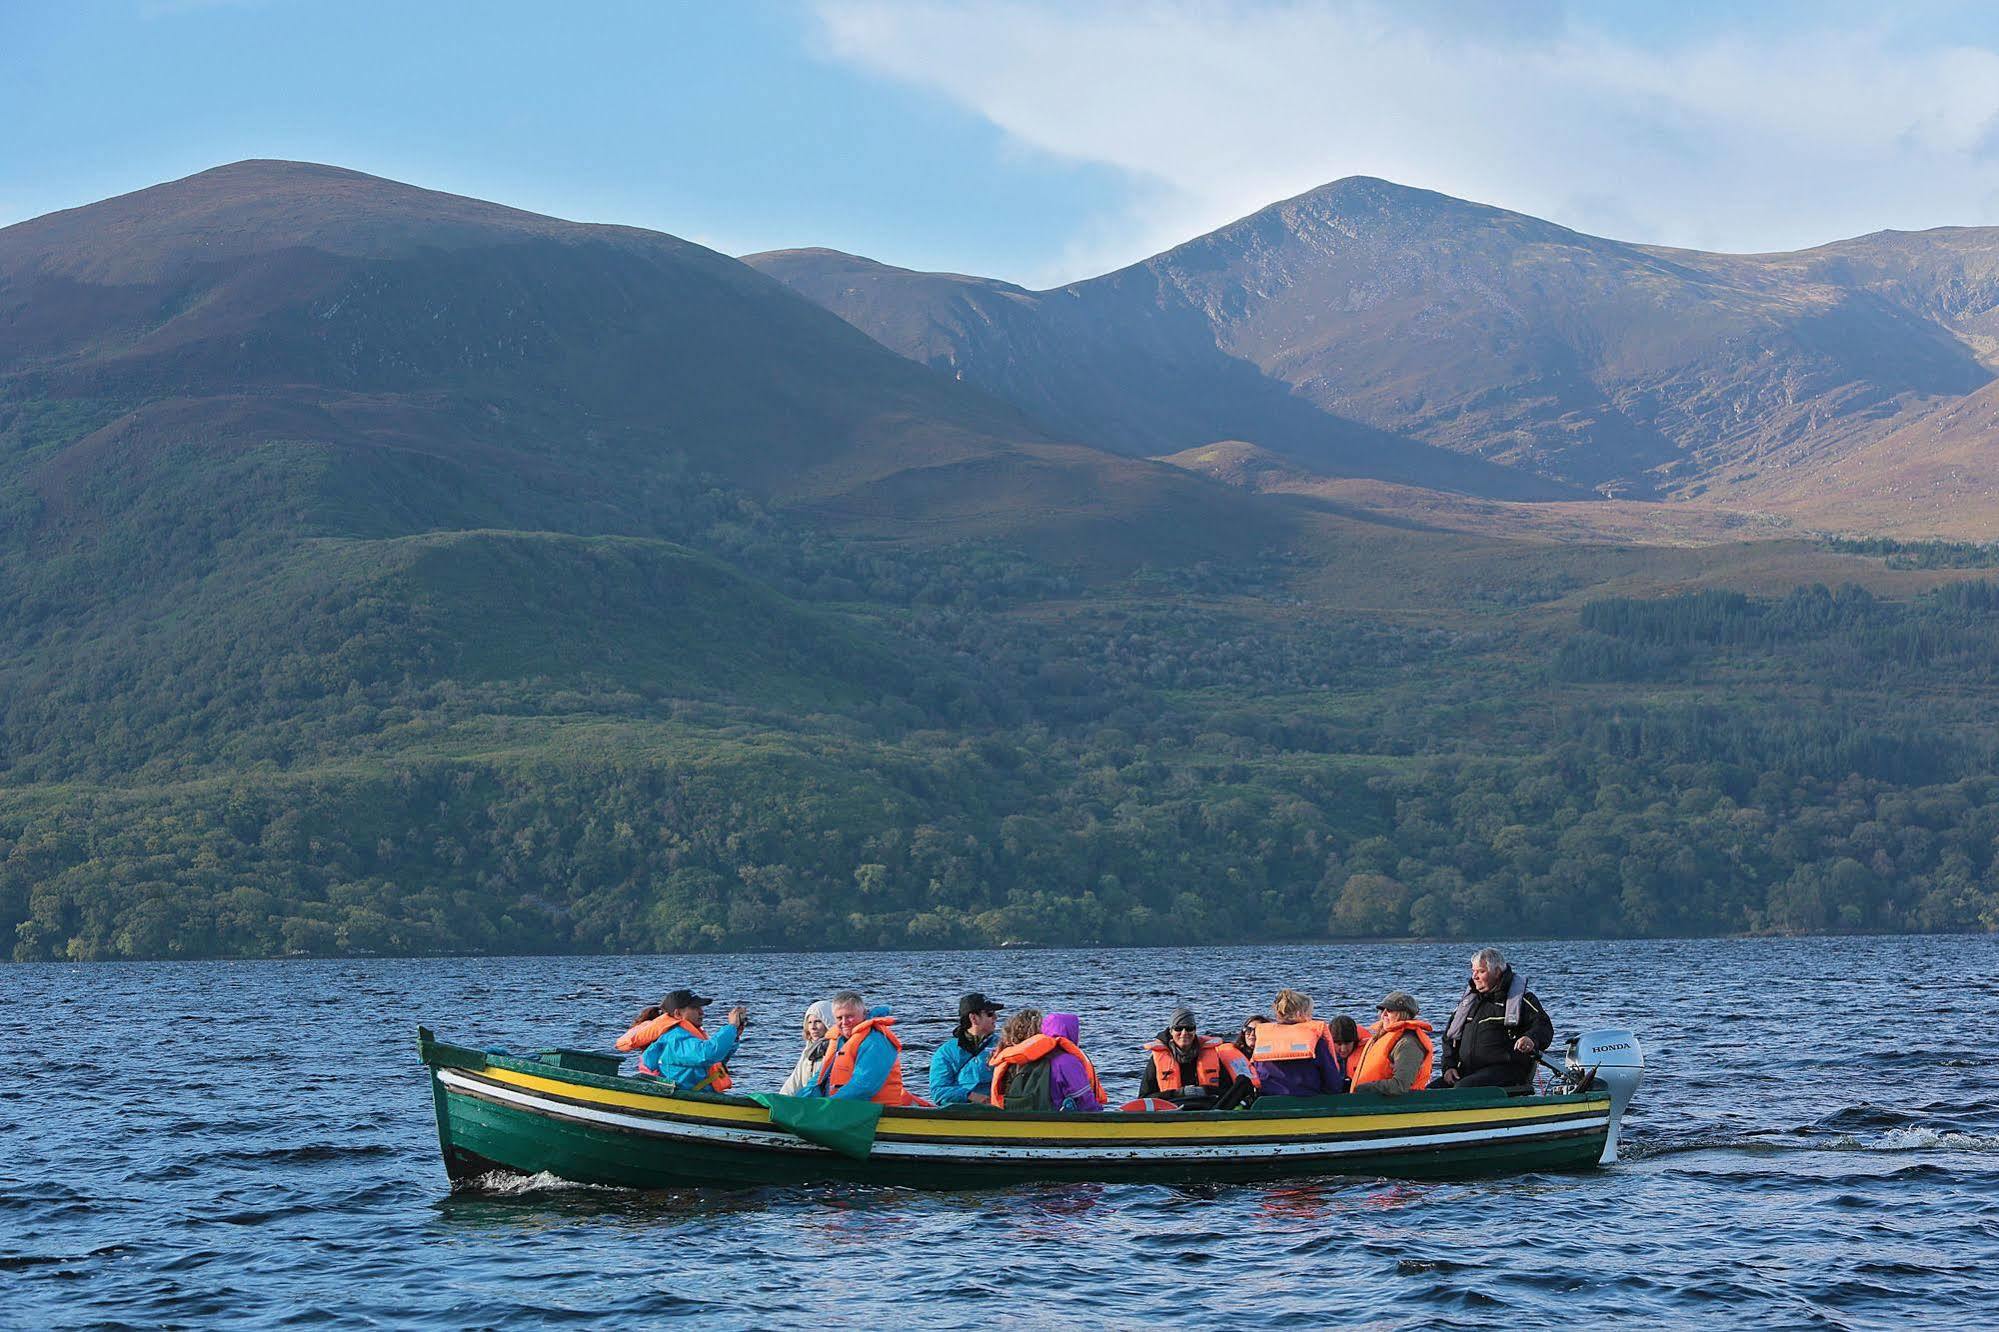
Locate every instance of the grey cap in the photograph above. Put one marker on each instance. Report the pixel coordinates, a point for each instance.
(1183, 1016)
(1399, 1001)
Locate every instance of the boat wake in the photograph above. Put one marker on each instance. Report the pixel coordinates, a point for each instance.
(507, 1184)
(1927, 1139)
(1934, 1126)
(1907, 1140)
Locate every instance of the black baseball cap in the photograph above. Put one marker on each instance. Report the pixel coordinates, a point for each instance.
(977, 1003)
(678, 999)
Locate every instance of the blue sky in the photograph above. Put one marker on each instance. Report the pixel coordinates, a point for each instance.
(730, 126)
(1038, 142)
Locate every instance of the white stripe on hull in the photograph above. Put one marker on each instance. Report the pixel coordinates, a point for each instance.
(1000, 1152)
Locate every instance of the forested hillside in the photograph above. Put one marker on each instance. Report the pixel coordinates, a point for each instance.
(1153, 764)
(387, 572)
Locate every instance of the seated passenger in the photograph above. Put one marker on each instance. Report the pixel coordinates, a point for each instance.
(1046, 1071)
(1184, 1062)
(1024, 1025)
(865, 1063)
(1294, 1054)
(1396, 1056)
(1498, 1029)
(681, 1053)
(1346, 1036)
(1246, 1039)
(959, 1074)
(818, 1033)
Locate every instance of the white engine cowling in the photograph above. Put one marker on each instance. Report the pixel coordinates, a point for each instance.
(1618, 1062)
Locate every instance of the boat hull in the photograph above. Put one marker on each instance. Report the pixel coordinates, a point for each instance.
(526, 1116)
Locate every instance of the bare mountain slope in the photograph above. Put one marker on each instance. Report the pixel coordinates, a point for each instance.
(1935, 474)
(1132, 363)
(1626, 369)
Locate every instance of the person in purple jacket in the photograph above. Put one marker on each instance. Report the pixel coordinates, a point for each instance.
(1072, 1083)
(1044, 1070)
(1294, 1055)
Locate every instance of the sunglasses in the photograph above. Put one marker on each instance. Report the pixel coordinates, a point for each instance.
(1186, 1028)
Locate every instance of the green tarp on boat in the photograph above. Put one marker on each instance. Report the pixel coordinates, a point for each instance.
(847, 1127)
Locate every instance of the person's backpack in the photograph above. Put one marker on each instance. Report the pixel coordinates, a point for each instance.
(1031, 1086)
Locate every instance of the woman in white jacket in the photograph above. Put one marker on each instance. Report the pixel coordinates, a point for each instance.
(812, 1059)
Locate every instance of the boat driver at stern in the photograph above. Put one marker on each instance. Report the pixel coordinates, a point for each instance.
(1498, 1030)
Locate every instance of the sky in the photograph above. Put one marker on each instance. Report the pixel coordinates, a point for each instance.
(1038, 142)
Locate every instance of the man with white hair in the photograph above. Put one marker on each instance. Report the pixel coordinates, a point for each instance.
(865, 1059)
(1497, 1031)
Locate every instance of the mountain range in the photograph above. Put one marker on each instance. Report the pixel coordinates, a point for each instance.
(385, 570)
(1844, 386)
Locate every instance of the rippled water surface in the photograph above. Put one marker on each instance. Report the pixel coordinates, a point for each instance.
(1816, 1144)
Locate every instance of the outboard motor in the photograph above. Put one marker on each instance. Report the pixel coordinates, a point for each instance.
(1617, 1063)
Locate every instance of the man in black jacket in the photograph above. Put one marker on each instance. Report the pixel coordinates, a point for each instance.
(1498, 1029)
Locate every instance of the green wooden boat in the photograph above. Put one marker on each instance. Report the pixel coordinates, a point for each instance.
(568, 1113)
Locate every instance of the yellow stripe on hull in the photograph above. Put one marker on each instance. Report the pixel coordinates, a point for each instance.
(709, 1110)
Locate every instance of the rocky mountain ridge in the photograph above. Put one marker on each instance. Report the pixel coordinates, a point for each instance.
(1592, 364)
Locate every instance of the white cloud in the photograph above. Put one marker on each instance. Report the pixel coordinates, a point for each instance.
(1734, 140)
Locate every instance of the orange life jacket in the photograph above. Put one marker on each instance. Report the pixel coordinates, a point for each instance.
(1376, 1065)
(840, 1068)
(1219, 1061)
(1033, 1050)
(644, 1034)
(1279, 1041)
(641, 1034)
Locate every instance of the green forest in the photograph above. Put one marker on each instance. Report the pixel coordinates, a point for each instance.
(749, 733)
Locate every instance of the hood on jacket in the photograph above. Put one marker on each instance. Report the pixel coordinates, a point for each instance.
(881, 1011)
(1064, 1026)
(823, 1010)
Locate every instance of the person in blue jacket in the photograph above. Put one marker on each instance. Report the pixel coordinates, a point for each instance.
(686, 1055)
(866, 1062)
(959, 1074)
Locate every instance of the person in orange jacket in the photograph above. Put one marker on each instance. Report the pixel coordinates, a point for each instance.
(1047, 1070)
(675, 1048)
(865, 1063)
(1398, 1053)
(1184, 1062)
(1294, 1054)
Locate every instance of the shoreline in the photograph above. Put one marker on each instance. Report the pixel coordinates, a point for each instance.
(1399, 942)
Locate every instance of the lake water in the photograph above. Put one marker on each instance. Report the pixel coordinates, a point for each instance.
(1816, 1145)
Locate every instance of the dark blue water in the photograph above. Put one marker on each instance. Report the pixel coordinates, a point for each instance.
(1816, 1145)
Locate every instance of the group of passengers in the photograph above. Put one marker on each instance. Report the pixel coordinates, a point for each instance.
(1034, 1061)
